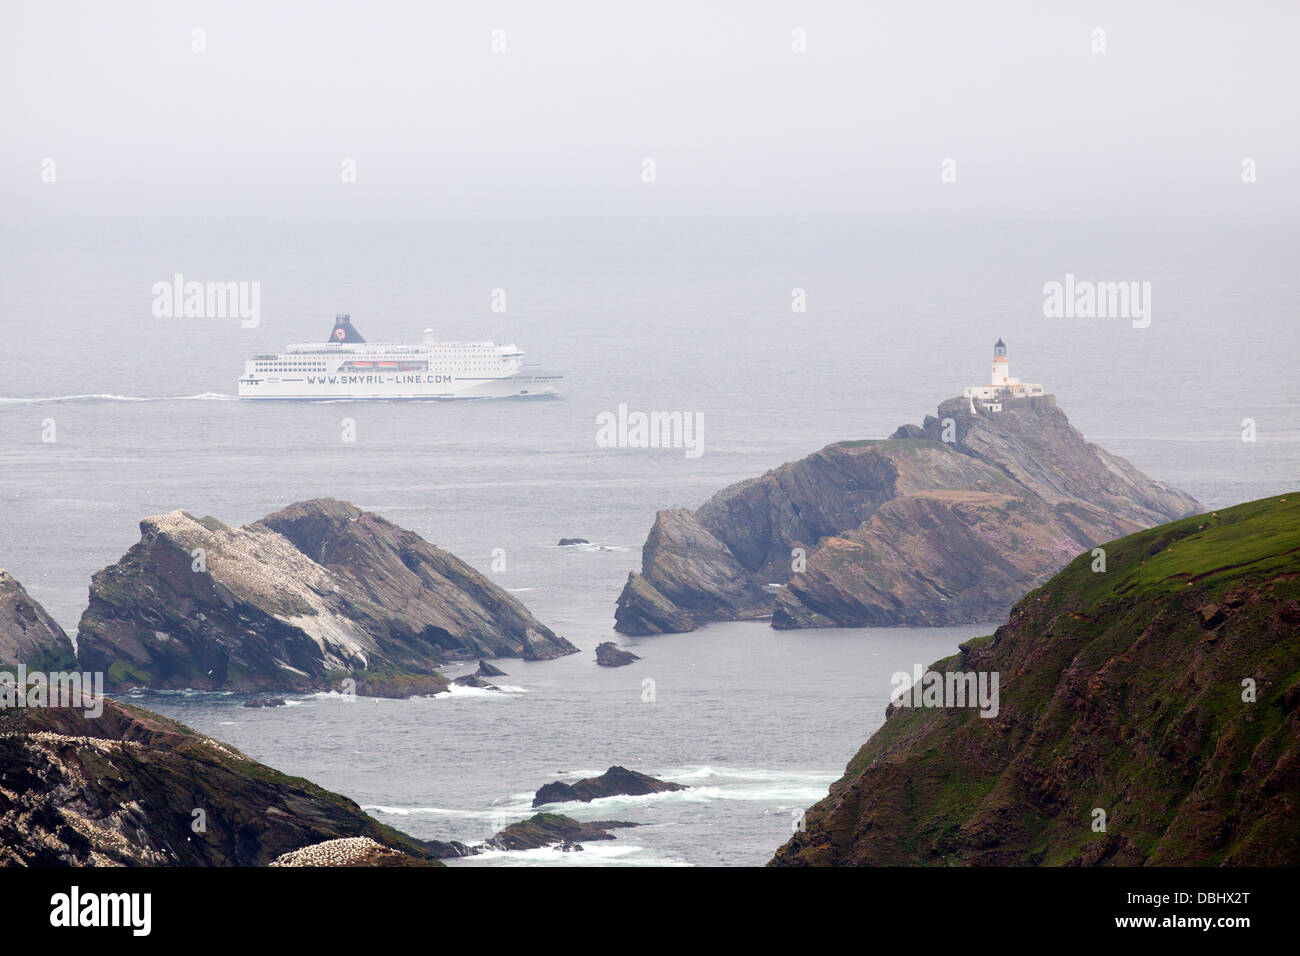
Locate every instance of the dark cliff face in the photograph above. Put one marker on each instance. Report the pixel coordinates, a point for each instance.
(300, 600)
(1128, 692)
(944, 523)
(121, 789)
(28, 635)
(931, 558)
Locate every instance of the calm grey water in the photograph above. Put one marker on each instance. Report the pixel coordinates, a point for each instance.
(658, 315)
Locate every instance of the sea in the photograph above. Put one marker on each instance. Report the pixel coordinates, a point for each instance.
(783, 336)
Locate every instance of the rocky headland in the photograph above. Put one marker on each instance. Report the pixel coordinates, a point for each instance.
(133, 788)
(1148, 714)
(947, 522)
(305, 599)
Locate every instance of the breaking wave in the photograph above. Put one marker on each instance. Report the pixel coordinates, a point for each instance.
(593, 546)
(592, 854)
(458, 690)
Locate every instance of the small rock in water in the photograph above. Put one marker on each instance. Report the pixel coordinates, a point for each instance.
(616, 781)
(473, 680)
(610, 655)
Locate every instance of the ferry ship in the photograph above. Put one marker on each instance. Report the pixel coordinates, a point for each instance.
(346, 366)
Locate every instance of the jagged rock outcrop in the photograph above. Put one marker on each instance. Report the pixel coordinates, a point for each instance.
(539, 830)
(480, 678)
(643, 609)
(616, 781)
(943, 523)
(548, 829)
(608, 654)
(28, 635)
(473, 680)
(130, 787)
(305, 598)
(1163, 693)
(933, 557)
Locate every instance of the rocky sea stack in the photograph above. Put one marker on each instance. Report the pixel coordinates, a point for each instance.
(948, 522)
(1159, 698)
(312, 595)
(28, 635)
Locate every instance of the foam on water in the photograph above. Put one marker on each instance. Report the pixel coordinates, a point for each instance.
(479, 693)
(490, 816)
(593, 853)
(688, 773)
(603, 806)
(105, 397)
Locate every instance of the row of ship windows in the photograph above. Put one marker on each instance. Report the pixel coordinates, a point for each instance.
(320, 366)
(492, 360)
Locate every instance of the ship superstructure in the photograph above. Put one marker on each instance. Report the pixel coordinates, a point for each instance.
(346, 366)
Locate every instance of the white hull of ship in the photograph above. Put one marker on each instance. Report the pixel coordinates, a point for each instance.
(347, 368)
(399, 387)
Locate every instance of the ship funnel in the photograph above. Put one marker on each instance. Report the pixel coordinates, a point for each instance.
(343, 330)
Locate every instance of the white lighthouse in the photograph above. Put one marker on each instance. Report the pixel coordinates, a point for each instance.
(1001, 368)
(1002, 385)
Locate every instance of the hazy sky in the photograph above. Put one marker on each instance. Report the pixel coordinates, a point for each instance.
(558, 125)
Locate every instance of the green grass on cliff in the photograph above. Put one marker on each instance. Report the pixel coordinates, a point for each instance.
(1208, 551)
(899, 444)
(918, 444)
(1120, 690)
